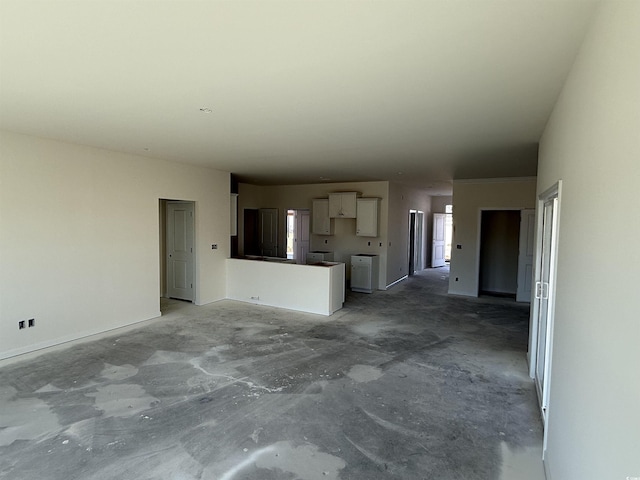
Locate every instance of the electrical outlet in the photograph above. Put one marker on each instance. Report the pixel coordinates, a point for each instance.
(380, 243)
(214, 246)
(31, 322)
(21, 324)
(369, 244)
(326, 241)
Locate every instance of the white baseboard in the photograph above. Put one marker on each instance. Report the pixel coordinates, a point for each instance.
(397, 281)
(24, 353)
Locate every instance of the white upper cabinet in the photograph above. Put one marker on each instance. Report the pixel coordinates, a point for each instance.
(342, 205)
(367, 219)
(321, 223)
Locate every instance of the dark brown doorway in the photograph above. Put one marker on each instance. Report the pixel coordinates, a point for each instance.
(412, 243)
(500, 232)
(251, 232)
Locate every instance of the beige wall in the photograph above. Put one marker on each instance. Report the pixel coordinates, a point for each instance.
(438, 203)
(402, 199)
(592, 144)
(344, 242)
(470, 197)
(79, 238)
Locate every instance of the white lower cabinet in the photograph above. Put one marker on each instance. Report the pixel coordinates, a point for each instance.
(319, 256)
(364, 272)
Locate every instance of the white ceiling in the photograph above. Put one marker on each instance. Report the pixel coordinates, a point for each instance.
(299, 90)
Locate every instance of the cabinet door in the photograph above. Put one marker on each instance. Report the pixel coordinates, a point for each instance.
(335, 205)
(342, 205)
(321, 223)
(349, 205)
(313, 258)
(367, 219)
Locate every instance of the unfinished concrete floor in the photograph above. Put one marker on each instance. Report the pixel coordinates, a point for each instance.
(404, 384)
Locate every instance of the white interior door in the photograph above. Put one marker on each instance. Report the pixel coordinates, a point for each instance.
(301, 236)
(180, 259)
(526, 254)
(269, 232)
(438, 249)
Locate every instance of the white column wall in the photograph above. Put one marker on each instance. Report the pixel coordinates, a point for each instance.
(592, 143)
(402, 199)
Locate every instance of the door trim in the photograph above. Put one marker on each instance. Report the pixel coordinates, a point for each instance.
(420, 241)
(554, 192)
(411, 254)
(435, 261)
(479, 237)
(548, 194)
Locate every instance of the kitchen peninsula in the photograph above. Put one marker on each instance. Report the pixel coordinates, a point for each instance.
(317, 288)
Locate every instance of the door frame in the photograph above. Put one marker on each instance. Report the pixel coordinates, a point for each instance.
(163, 273)
(479, 237)
(435, 216)
(411, 247)
(419, 262)
(298, 214)
(554, 191)
(416, 246)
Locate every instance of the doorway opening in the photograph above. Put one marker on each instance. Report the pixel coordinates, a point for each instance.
(505, 253)
(251, 243)
(442, 234)
(298, 234)
(177, 250)
(448, 232)
(499, 246)
(291, 225)
(261, 232)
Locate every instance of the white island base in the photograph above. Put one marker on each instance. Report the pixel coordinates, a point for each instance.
(315, 288)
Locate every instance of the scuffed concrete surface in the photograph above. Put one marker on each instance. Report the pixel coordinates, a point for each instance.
(404, 384)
